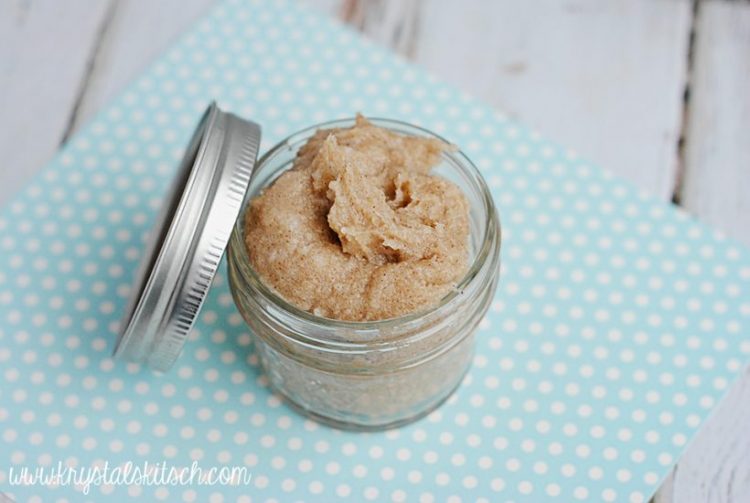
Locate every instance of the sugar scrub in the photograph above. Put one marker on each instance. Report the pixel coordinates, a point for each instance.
(359, 229)
(368, 254)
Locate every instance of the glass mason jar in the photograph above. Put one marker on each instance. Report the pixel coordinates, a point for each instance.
(374, 374)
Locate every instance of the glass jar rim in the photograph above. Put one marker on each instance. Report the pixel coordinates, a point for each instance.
(492, 231)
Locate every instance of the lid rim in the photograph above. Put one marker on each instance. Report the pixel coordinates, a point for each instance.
(189, 253)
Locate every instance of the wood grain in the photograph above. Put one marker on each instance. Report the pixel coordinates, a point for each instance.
(140, 30)
(60, 62)
(393, 24)
(717, 148)
(45, 56)
(717, 469)
(606, 76)
(716, 466)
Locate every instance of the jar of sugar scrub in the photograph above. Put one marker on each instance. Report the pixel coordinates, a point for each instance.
(363, 254)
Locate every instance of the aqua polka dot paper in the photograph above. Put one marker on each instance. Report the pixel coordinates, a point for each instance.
(618, 325)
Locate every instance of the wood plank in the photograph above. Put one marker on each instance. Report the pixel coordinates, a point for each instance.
(45, 51)
(394, 24)
(139, 32)
(716, 184)
(606, 78)
(665, 493)
(716, 466)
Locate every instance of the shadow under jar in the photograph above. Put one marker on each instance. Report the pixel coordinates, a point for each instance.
(376, 374)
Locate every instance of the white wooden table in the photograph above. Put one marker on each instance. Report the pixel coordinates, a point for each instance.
(657, 91)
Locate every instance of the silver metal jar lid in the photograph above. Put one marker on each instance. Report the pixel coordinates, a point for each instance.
(189, 238)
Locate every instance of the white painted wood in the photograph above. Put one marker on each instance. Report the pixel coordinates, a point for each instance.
(716, 466)
(394, 24)
(44, 54)
(60, 62)
(717, 152)
(665, 494)
(605, 77)
(140, 30)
